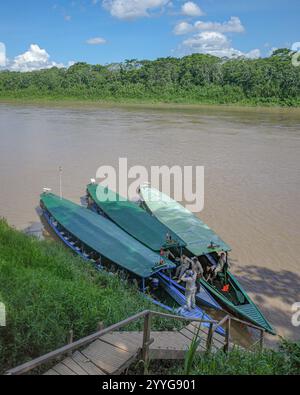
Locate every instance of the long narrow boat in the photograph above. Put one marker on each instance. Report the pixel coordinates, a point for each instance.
(132, 218)
(100, 241)
(142, 226)
(202, 242)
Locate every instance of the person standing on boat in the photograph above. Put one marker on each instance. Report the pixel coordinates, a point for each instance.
(218, 267)
(185, 264)
(198, 269)
(190, 278)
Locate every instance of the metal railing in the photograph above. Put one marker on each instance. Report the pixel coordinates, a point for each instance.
(147, 315)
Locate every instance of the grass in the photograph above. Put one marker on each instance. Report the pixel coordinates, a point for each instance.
(152, 102)
(284, 361)
(48, 291)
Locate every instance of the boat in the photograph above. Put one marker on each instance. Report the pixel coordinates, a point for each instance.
(98, 240)
(143, 226)
(89, 234)
(204, 243)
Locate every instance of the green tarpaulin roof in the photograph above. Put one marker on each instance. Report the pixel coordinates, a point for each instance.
(103, 236)
(185, 224)
(132, 218)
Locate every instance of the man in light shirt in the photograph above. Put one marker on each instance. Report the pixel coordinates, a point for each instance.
(218, 267)
(185, 264)
(190, 278)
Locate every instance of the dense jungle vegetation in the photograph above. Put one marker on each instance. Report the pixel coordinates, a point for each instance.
(192, 79)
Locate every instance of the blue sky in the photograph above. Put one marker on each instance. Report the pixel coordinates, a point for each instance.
(56, 32)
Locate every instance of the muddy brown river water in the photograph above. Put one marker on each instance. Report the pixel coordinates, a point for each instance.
(252, 176)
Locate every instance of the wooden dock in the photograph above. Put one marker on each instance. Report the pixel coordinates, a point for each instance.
(111, 351)
(116, 351)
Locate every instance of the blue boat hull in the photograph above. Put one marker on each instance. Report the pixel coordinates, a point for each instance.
(173, 292)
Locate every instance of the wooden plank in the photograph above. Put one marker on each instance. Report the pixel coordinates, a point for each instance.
(86, 364)
(227, 337)
(169, 341)
(63, 370)
(134, 357)
(72, 365)
(190, 336)
(146, 340)
(127, 341)
(107, 357)
(194, 330)
(204, 329)
(51, 372)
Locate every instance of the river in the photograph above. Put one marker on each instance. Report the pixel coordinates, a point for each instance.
(252, 176)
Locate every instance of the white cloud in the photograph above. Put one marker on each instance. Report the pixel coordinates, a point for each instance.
(132, 9)
(234, 25)
(183, 28)
(35, 58)
(96, 41)
(253, 54)
(191, 9)
(2, 55)
(214, 43)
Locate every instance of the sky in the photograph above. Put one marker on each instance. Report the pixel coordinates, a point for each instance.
(38, 34)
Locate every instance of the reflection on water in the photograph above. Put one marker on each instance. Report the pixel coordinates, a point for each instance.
(252, 176)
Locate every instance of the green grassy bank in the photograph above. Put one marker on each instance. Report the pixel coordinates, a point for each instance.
(283, 361)
(87, 102)
(47, 292)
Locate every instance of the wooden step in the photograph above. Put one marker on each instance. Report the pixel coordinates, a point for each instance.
(116, 351)
(106, 357)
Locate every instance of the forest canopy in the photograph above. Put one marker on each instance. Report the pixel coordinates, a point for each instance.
(197, 78)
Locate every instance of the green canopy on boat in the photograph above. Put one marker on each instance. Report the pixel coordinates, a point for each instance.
(199, 238)
(103, 236)
(133, 219)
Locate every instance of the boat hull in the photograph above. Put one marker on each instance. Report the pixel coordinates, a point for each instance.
(247, 311)
(199, 239)
(98, 267)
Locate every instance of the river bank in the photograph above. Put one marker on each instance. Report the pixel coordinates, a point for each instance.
(48, 291)
(146, 104)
